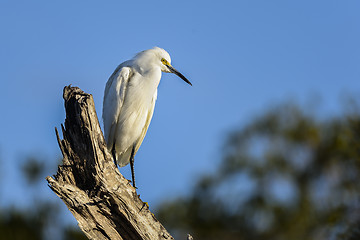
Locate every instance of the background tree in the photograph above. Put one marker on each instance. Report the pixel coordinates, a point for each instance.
(286, 175)
(43, 219)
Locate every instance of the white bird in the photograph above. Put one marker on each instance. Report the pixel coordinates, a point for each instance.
(129, 102)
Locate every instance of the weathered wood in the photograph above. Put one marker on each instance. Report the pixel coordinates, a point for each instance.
(103, 202)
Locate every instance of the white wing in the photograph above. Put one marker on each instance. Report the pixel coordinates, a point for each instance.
(124, 158)
(147, 123)
(113, 100)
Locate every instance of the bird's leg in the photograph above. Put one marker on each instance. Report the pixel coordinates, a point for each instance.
(113, 152)
(132, 165)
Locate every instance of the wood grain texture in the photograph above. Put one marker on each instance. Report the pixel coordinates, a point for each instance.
(103, 202)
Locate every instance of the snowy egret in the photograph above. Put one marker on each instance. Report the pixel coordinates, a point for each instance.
(129, 102)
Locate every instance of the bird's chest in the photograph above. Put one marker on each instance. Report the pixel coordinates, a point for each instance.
(142, 88)
(137, 109)
(138, 105)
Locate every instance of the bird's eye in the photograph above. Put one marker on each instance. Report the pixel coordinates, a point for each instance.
(163, 60)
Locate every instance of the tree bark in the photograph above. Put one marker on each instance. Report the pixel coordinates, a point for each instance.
(103, 202)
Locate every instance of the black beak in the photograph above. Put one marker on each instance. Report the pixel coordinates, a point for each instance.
(173, 70)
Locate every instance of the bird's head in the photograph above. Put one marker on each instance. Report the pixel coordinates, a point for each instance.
(163, 60)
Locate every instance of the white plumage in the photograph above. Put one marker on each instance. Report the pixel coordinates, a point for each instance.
(129, 102)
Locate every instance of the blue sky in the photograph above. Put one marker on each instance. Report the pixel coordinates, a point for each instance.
(241, 56)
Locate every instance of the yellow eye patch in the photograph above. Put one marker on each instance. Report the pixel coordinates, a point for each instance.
(163, 60)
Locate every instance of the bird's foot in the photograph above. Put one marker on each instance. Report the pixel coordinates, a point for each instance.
(145, 204)
(129, 182)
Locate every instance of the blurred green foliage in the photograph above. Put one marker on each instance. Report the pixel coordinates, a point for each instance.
(43, 219)
(287, 175)
(18, 226)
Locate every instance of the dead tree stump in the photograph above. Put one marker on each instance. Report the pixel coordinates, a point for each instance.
(103, 202)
